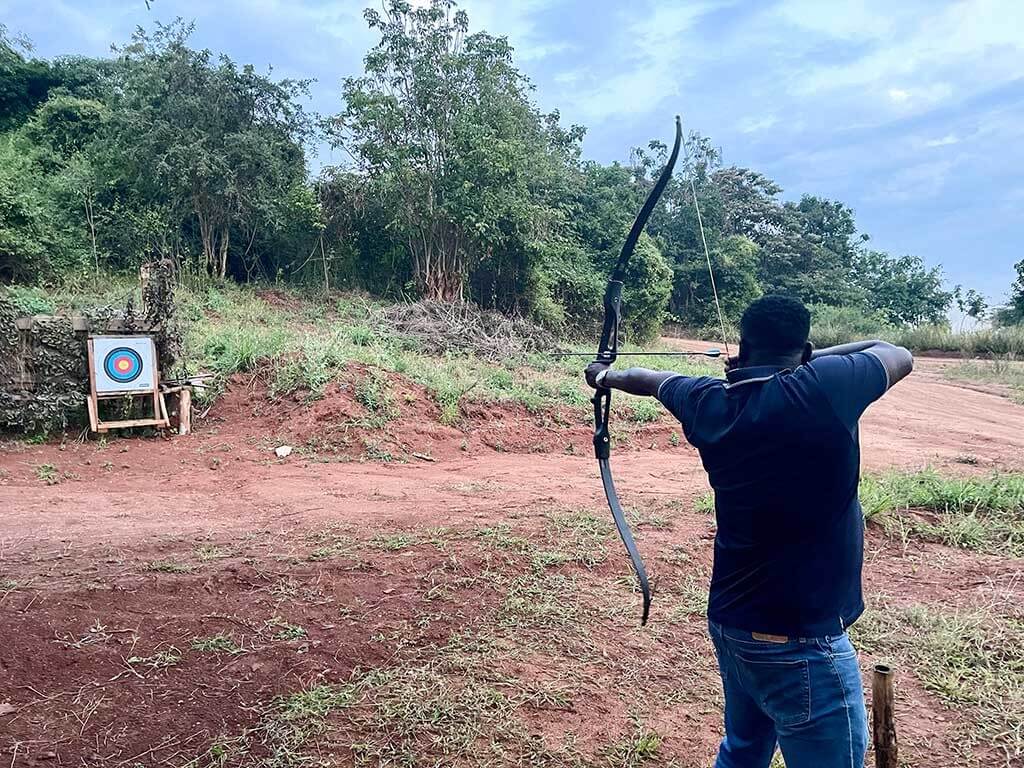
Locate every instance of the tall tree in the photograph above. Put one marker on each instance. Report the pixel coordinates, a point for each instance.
(24, 83)
(902, 288)
(1012, 313)
(442, 127)
(210, 144)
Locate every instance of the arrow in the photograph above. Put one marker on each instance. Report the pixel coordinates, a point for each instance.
(707, 353)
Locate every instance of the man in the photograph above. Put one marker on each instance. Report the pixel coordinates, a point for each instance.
(779, 441)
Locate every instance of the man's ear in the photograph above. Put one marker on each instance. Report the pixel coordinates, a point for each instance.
(805, 356)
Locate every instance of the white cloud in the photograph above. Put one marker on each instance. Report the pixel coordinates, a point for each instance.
(756, 124)
(650, 56)
(518, 21)
(915, 182)
(945, 141)
(922, 45)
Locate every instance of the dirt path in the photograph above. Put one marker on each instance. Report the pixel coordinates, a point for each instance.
(219, 479)
(81, 552)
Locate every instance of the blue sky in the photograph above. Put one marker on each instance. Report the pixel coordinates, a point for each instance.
(911, 112)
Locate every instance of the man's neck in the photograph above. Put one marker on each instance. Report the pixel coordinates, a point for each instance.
(775, 361)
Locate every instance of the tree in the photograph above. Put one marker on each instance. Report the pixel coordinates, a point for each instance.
(39, 235)
(735, 262)
(212, 145)
(441, 126)
(24, 83)
(902, 288)
(970, 304)
(1012, 313)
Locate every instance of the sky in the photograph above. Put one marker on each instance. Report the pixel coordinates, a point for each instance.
(911, 111)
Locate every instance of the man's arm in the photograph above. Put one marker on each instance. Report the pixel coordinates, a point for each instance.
(635, 381)
(897, 361)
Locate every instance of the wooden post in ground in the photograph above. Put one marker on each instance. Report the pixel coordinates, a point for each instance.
(184, 411)
(883, 722)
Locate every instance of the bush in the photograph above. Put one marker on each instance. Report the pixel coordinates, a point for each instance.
(648, 286)
(838, 325)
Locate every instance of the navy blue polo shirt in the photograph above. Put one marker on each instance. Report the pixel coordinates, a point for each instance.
(782, 453)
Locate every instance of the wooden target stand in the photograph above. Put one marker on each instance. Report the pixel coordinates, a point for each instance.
(148, 388)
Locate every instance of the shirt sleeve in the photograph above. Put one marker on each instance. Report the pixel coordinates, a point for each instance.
(851, 383)
(675, 392)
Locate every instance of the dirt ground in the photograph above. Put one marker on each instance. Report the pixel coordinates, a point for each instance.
(119, 557)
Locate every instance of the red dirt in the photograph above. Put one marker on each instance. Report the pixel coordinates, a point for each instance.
(78, 552)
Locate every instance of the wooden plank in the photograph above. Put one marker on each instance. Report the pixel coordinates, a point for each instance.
(94, 418)
(162, 409)
(159, 404)
(93, 401)
(127, 393)
(105, 425)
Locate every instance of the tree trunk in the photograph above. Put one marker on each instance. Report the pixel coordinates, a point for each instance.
(222, 260)
(327, 274)
(91, 219)
(207, 236)
(439, 264)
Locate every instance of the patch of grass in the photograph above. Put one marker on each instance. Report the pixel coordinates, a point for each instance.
(972, 660)
(453, 708)
(500, 536)
(318, 360)
(636, 749)
(48, 474)
(705, 504)
(169, 566)
(984, 514)
(540, 600)
(287, 733)
(374, 450)
(372, 392)
(159, 660)
(238, 348)
(219, 643)
(693, 598)
(392, 542)
(580, 535)
(646, 410)
(212, 552)
(29, 300)
(1006, 372)
(285, 631)
(300, 344)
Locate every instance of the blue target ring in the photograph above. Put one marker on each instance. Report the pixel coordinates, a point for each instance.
(122, 365)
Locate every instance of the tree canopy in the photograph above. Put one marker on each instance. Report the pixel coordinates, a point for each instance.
(456, 187)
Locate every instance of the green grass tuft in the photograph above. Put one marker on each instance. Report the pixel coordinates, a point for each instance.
(984, 514)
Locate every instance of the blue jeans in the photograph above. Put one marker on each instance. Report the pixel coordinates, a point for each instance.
(804, 694)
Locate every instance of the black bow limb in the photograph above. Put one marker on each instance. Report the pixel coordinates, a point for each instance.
(607, 351)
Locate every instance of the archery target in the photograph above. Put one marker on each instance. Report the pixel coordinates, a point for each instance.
(123, 363)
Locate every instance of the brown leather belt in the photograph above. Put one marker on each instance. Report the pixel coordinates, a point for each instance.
(769, 638)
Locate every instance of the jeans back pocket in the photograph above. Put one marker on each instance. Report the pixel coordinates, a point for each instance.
(781, 686)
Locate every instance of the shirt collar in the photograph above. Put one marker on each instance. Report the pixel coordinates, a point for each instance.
(753, 373)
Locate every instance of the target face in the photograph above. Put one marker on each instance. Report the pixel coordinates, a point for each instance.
(123, 364)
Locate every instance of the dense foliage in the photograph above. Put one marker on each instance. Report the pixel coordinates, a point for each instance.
(457, 188)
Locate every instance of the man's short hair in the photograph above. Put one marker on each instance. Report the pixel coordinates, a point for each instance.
(776, 323)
